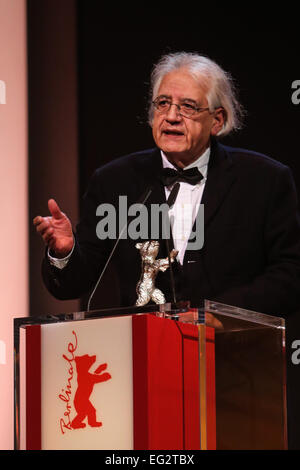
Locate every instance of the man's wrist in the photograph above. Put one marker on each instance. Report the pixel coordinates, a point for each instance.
(60, 263)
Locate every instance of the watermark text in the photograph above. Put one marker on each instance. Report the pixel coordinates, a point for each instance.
(155, 222)
(2, 352)
(296, 94)
(296, 354)
(2, 92)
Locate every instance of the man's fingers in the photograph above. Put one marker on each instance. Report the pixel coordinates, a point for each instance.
(43, 225)
(54, 209)
(45, 229)
(37, 220)
(48, 235)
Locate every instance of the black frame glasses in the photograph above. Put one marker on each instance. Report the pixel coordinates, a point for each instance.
(163, 106)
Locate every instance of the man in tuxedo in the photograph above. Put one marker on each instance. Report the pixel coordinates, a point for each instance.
(250, 257)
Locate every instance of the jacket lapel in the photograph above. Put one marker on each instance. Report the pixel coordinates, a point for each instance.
(148, 168)
(220, 178)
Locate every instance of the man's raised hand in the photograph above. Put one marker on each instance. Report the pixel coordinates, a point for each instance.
(56, 230)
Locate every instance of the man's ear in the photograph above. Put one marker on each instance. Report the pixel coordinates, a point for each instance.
(219, 120)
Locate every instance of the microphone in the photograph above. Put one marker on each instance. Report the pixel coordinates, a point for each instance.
(144, 197)
(170, 202)
(173, 195)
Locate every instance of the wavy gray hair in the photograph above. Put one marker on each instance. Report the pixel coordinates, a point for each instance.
(220, 86)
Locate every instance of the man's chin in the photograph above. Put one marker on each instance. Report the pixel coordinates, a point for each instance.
(176, 157)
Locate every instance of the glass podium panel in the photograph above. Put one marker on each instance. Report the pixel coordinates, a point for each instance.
(250, 378)
(157, 377)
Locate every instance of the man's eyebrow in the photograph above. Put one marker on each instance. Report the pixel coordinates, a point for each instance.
(164, 96)
(190, 100)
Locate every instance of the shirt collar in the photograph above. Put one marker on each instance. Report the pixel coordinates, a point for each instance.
(201, 163)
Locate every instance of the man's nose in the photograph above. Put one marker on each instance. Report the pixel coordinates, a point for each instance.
(173, 113)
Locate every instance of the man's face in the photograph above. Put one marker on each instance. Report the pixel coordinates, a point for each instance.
(184, 139)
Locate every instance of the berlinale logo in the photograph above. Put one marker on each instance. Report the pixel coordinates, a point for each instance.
(2, 92)
(85, 384)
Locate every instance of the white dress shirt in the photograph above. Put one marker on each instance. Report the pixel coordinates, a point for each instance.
(187, 203)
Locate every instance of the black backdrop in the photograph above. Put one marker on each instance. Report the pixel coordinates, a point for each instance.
(116, 52)
(113, 49)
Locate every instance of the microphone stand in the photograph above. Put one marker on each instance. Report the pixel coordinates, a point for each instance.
(170, 202)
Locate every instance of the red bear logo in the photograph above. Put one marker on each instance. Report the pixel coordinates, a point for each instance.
(86, 382)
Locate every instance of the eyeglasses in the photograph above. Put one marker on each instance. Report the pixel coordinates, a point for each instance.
(186, 109)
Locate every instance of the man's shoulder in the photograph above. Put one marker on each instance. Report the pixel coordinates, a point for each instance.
(252, 160)
(129, 162)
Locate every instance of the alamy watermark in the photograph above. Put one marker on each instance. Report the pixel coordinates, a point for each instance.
(2, 92)
(296, 354)
(296, 94)
(150, 223)
(2, 352)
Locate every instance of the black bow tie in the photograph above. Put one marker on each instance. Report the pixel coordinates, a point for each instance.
(170, 176)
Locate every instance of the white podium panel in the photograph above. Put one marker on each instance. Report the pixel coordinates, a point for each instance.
(86, 385)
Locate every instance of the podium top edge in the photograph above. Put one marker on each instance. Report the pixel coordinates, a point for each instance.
(170, 309)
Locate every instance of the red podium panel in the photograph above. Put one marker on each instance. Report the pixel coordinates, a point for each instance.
(33, 387)
(166, 384)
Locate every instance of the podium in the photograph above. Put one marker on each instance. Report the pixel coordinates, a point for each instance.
(157, 377)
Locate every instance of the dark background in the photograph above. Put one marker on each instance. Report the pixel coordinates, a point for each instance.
(88, 76)
(116, 53)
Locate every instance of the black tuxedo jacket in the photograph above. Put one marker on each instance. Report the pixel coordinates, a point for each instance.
(251, 252)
